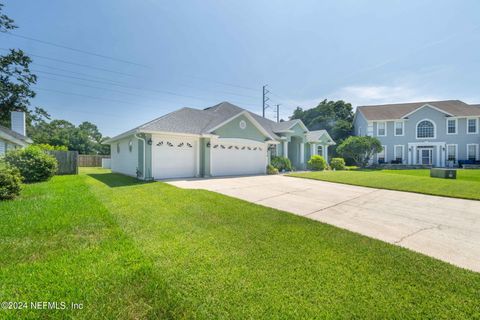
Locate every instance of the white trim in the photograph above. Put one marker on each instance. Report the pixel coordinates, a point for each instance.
(13, 140)
(446, 152)
(395, 152)
(477, 154)
(384, 154)
(385, 123)
(302, 153)
(301, 124)
(395, 128)
(434, 130)
(456, 126)
(476, 125)
(426, 105)
(249, 117)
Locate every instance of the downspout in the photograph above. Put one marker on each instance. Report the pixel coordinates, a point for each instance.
(144, 153)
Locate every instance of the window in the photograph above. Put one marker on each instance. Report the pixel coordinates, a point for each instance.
(399, 128)
(425, 129)
(472, 152)
(398, 153)
(452, 126)
(381, 129)
(320, 150)
(451, 152)
(118, 147)
(381, 156)
(472, 125)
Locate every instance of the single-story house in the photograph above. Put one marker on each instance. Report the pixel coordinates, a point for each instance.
(221, 140)
(16, 136)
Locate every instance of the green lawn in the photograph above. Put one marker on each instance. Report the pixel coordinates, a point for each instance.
(131, 250)
(467, 184)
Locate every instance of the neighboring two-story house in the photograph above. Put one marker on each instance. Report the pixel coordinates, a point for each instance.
(437, 133)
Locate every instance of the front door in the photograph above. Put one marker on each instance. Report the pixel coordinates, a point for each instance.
(425, 156)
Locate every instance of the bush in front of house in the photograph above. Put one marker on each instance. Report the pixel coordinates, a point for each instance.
(360, 149)
(337, 164)
(271, 169)
(10, 183)
(33, 163)
(281, 163)
(317, 163)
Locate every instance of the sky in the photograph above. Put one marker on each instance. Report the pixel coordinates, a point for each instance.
(121, 63)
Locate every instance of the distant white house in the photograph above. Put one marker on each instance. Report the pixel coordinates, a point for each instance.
(16, 136)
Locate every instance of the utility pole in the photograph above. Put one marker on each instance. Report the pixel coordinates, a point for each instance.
(278, 112)
(265, 99)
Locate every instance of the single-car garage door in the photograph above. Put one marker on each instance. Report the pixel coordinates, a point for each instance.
(237, 157)
(174, 157)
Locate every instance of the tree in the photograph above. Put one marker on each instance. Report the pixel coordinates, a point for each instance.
(360, 149)
(15, 79)
(86, 138)
(334, 116)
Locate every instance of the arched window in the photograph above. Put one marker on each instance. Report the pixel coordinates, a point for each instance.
(425, 129)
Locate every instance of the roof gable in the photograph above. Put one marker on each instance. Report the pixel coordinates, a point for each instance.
(232, 128)
(427, 106)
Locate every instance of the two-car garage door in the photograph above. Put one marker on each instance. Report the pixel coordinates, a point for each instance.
(179, 157)
(237, 157)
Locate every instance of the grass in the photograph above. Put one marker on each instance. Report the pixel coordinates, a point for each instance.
(467, 184)
(131, 250)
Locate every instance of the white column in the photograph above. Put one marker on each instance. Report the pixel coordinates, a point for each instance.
(312, 149)
(438, 156)
(302, 152)
(414, 155)
(285, 149)
(325, 152)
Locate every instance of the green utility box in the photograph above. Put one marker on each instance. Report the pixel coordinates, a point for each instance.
(443, 173)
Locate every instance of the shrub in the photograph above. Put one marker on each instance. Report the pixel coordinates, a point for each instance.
(337, 164)
(360, 149)
(10, 183)
(33, 163)
(271, 169)
(316, 163)
(281, 163)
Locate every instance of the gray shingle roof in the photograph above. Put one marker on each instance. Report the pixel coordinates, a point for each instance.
(15, 135)
(195, 121)
(397, 111)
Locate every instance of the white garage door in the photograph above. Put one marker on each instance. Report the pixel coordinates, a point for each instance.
(174, 157)
(237, 157)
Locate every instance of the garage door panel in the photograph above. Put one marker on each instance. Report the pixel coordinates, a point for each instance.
(237, 158)
(174, 157)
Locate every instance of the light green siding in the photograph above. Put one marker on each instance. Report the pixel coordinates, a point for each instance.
(232, 130)
(204, 157)
(148, 156)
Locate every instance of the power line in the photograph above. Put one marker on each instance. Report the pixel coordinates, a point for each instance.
(74, 49)
(74, 72)
(74, 63)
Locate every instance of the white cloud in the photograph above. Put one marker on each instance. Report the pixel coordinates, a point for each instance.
(365, 95)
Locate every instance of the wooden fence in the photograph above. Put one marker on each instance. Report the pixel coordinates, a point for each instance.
(67, 161)
(85, 160)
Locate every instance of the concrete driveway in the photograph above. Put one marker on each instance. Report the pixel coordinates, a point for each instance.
(444, 228)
